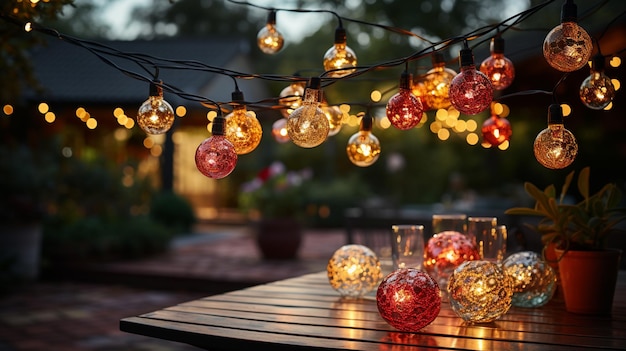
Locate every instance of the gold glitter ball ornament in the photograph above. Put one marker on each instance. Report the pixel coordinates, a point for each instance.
(354, 270)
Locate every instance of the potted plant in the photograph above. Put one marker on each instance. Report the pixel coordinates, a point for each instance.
(274, 200)
(578, 232)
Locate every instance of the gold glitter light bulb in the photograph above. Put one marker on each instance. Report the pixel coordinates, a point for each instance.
(269, 39)
(339, 56)
(242, 128)
(597, 90)
(308, 125)
(568, 47)
(155, 115)
(555, 147)
(363, 147)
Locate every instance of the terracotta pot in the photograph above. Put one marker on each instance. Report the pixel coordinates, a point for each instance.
(588, 280)
(279, 239)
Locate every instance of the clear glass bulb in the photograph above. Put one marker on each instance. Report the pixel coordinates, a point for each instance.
(597, 90)
(404, 110)
(308, 125)
(339, 56)
(155, 115)
(279, 131)
(291, 97)
(436, 86)
(499, 69)
(496, 130)
(471, 91)
(269, 39)
(216, 157)
(335, 118)
(555, 147)
(363, 148)
(567, 47)
(243, 130)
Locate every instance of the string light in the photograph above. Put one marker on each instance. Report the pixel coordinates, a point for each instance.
(363, 147)
(291, 97)
(437, 84)
(335, 118)
(597, 90)
(496, 130)
(308, 125)
(269, 39)
(340, 57)
(404, 109)
(242, 128)
(471, 91)
(555, 147)
(155, 115)
(497, 67)
(215, 156)
(279, 131)
(568, 46)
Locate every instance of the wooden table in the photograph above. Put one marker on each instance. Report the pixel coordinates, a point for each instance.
(305, 313)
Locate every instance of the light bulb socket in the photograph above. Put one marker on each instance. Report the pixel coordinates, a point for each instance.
(555, 114)
(366, 123)
(271, 17)
(569, 12)
(237, 96)
(341, 37)
(315, 83)
(217, 127)
(497, 45)
(597, 63)
(466, 57)
(405, 80)
(437, 59)
(155, 88)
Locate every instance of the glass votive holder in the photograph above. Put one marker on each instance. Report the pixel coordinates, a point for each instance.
(456, 222)
(489, 238)
(407, 246)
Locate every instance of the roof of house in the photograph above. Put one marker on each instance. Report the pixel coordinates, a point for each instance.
(71, 73)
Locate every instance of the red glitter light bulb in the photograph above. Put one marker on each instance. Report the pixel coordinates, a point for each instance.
(497, 67)
(404, 110)
(470, 91)
(496, 130)
(408, 299)
(216, 156)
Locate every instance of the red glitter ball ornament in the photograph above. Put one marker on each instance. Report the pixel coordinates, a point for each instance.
(216, 157)
(496, 130)
(408, 299)
(404, 110)
(445, 251)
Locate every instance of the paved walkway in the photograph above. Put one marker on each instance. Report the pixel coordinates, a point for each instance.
(83, 313)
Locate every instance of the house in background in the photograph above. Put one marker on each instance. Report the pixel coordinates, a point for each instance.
(94, 105)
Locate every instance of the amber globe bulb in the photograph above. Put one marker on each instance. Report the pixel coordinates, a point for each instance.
(243, 130)
(269, 39)
(499, 69)
(567, 47)
(496, 130)
(597, 90)
(339, 58)
(291, 97)
(437, 84)
(308, 125)
(155, 115)
(555, 147)
(363, 148)
(335, 118)
(279, 131)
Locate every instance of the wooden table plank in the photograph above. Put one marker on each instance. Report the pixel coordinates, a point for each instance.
(306, 313)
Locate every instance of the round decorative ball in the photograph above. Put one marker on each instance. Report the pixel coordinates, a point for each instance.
(479, 291)
(534, 281)
(445, 251)
(354, 270)
(408, 299)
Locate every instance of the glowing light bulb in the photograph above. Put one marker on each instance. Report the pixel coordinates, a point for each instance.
(155, 115)
(567, 47)
(279, 131)
(471, 91)
(497, 67)
(215, 156)
(291, 97)
(335, 118)
(496, 130)
(597, 90)
(404, 110)
(340, 57)
(555, 147)
(363, 147)
(437, 84)
(308, 125)
(269, 39)
(242, 129)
